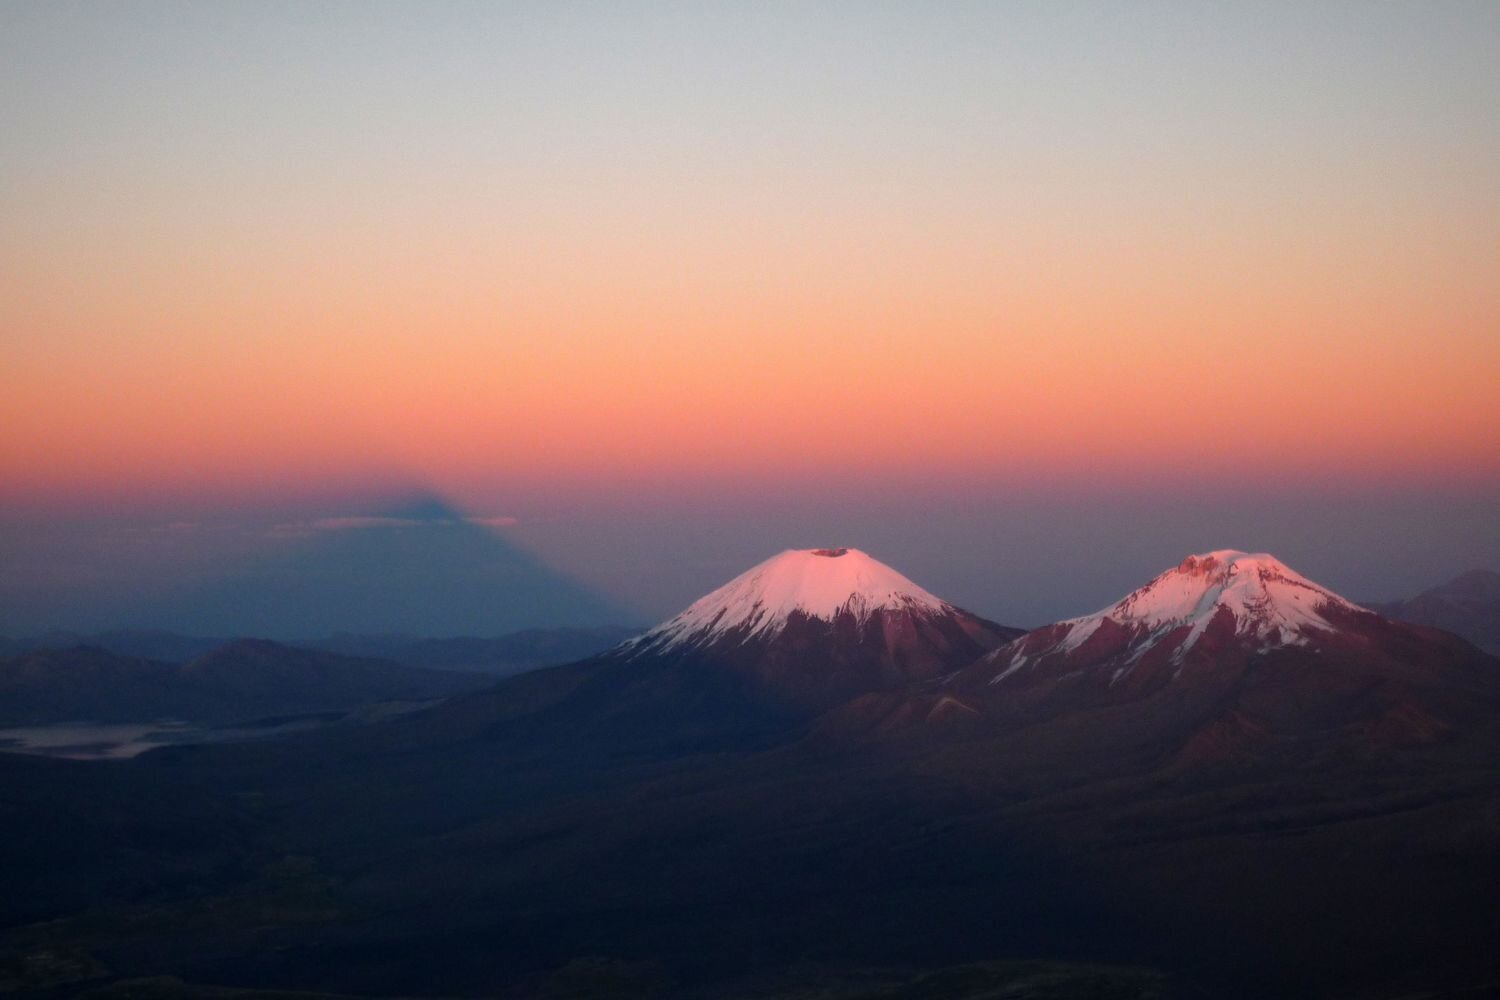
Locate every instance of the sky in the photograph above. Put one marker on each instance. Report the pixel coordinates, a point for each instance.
(1028, 299)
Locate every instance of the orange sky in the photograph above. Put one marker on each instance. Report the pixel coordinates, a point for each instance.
(963, 273)
(873, 360)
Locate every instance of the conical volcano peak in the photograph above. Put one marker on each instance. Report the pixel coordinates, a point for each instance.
(815, 583)
(812, 628)
(819, 583)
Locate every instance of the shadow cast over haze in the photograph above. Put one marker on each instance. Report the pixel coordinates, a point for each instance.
(421, 567)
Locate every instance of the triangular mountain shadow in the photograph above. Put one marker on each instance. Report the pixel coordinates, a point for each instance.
(419, 568)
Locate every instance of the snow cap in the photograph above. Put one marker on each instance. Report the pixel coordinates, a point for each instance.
(818, 583)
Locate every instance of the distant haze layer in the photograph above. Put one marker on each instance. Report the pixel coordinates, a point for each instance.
(428, 568)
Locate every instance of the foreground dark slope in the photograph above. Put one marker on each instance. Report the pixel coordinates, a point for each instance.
(1304, 871)
(678, 823)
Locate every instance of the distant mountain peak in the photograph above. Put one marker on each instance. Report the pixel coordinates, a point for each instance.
(1468, 605)
(1479, 584)
(813, 583)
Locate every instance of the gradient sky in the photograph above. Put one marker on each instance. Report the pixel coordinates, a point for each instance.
(1030, 299)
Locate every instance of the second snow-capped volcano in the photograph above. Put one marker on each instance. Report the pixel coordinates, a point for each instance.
(1208, 608)
(1244, 640)
(1259, 599)
(815, 626)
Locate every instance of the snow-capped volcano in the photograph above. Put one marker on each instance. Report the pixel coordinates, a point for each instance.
(819, 625)
(1266, 600)
(810, 583)
(1212, 606)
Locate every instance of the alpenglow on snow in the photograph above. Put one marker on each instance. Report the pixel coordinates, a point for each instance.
(1260, 601)
(817, 583)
